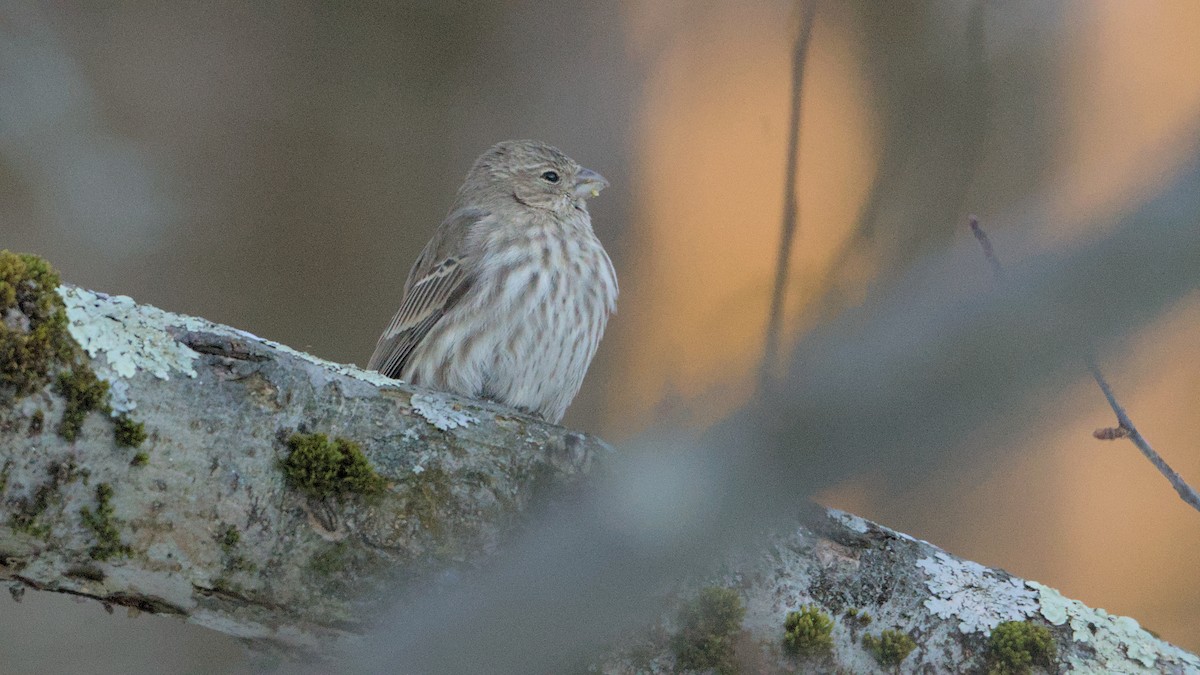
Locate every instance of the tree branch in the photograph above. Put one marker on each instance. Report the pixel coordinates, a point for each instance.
(1128, 430)
(232, 521)
(208, 525)
(868, 580)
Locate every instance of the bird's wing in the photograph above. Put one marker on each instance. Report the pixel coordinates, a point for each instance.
(439, 279)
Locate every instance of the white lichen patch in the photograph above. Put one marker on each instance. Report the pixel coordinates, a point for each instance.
(978, 597)
(855, 523)
(123, 337)
(440, 412)
(1118, 643)
(118, 394)
(862, 526)
(369, 376)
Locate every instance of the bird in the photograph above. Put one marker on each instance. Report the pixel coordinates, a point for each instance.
(510, 297)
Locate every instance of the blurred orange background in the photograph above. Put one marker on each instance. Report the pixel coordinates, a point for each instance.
(279, 168)
(1091, 518)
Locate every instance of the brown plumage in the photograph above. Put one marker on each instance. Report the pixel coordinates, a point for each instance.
(510, 297)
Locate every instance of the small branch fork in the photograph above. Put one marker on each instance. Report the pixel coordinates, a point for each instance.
(1125, 427)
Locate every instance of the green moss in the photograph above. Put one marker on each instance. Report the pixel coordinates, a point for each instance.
(29, 510)
(1016, 646)
(709, 627)
(128, 433)
(35, 344)
(103, 525)
(37, 422)
(82, 393)
(33, 325)
(808, 632)
(336, 469)
(142, 458)
(857, 616)
(890, 648)
(69, 472)
(228, 538)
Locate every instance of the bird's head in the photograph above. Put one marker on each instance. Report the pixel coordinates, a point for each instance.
(536, 175)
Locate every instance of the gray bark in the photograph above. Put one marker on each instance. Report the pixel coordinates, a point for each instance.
(209, 529)
(850, 568)
(218, 405)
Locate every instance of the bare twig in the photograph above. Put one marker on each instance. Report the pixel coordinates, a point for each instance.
(1186, 492)
(986, 245)
(790, 206)
(1125, 427)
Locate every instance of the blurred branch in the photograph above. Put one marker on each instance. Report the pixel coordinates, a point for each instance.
(932, 140)
(790, 201)
(1125, 427)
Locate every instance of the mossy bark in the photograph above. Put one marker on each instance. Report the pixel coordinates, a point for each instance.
(191, 510)
(207, 518)
(842, 595)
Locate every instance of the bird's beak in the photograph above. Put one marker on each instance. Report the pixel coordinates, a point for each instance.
(588, 183)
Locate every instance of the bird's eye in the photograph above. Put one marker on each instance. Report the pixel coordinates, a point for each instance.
(550, 176)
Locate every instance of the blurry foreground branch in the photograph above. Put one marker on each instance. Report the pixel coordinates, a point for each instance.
(175, 466)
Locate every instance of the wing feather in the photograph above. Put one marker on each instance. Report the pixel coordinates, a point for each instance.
(440, 277)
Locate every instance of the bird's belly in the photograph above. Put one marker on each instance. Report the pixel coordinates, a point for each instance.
(524, 338)
(540, 366)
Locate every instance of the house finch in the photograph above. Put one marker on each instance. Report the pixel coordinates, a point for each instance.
(510, 297)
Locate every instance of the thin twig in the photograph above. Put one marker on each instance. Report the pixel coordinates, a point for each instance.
(790, 203)
(986, 245)
(1125, 427)
(1186, 492)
